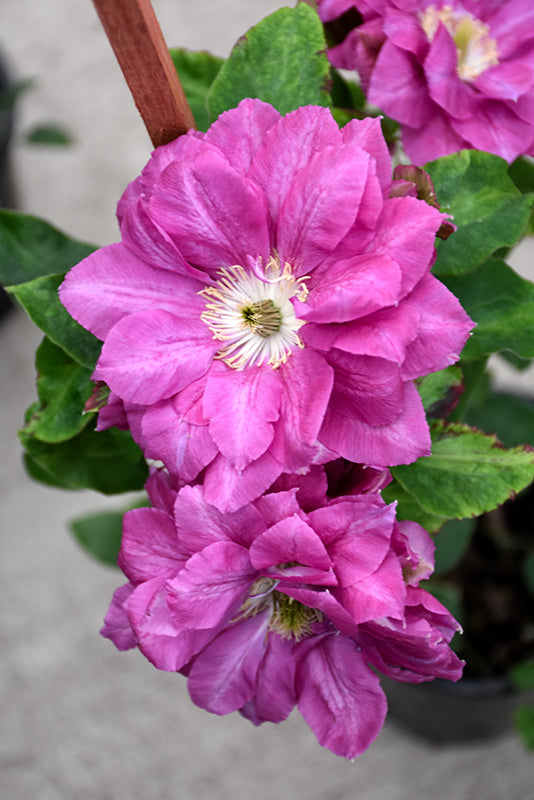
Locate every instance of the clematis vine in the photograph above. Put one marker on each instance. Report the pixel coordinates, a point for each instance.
(272, 607)
(454, 74)
(270, 305)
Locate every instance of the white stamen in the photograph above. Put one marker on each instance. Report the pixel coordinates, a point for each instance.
(255, 318)
(476, 50)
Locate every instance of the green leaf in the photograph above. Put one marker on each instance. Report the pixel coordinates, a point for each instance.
(31, 248)
(509, 416)
(282, 61)
(109, 461)
(346, 93)
(528, 571)
(439, 389)
(49, 134)
(41, 301)
(39, 474)
(467, 474)
(100, 535)
(197, 70)
(522, 675)
(451, 543)
(524, 722)
(487, 207)
(63, 386)
(501, 302)
(409, 508)
(522, 174)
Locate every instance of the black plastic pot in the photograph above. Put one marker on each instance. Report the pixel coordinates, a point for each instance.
(441, 711)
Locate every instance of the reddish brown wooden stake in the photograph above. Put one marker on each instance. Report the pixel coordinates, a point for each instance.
(137, 41)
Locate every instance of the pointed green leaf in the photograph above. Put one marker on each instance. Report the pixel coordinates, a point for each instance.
(63, 386)
(501, 302)
(524, 722)
(522, 174)
(37, 473)
(282, 61)
(109, 462)
(197, 70)
(488, 209)
(509, 416)
(438, 390)
(49, 134)
(100, 535)
(468, 473)
(452, 540)
(409, 508)
(41, 302)
(31, 248)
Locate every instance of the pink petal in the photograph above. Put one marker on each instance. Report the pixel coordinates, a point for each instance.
(401, 441)
(290, 540)
(321, 205)
(339, 696)
(200, 524)
(365, 389)
(445, 86)
(274, 696)
(306, 389)
(287, 148)
(150, 546)
(223, 676)
(185, 449)
(228, 489)
(357, 535)
(367, 134)
(506, 81)
(241, 407)
(435, 138)
(380, 594)
(240, 132)
(116, 623)
(215, 216)
(352, 288)
(212, 586)
(152, 355)
(113, 283)
(406, 232)
(165, 646)
(398, 87)
(442, 330)
(496, 129)
(384, 334)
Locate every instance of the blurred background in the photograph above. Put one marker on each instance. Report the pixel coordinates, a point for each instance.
(79, 720)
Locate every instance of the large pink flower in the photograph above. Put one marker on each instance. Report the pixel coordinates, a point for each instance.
(455, 74)
(271, 607)
(269, 306)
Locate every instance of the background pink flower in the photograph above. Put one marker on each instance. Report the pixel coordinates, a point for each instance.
(269, 306)
(454, 74)
(271, 607)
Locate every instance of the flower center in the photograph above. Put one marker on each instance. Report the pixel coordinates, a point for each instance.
(476, 50)
(254, 317)
(289, 618)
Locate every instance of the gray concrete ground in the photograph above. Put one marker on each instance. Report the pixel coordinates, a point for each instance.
(79, 720)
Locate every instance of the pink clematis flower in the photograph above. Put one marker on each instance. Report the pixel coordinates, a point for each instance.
(270, 305)
(271, 607)
(455, 73)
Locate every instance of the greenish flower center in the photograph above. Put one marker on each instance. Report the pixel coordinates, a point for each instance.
(475, 48)
(291, 619)
(264, 317)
